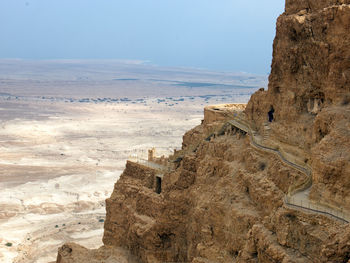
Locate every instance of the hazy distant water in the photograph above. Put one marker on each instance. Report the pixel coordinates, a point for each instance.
(113, 80)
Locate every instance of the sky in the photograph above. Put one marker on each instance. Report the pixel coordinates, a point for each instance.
(225, 35)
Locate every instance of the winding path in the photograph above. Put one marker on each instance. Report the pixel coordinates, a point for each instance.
(298, 196)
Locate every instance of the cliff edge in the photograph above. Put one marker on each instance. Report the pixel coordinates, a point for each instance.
(309, 90)
(265, 182)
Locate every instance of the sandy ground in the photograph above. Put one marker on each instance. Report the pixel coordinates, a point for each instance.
(57, 170)
(66, 130)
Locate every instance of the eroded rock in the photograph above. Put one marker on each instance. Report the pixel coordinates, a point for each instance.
(223, 199)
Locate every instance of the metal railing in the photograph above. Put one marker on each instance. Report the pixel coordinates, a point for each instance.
(289, 199)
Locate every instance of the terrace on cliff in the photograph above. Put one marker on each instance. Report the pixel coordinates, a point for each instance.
(235, 123)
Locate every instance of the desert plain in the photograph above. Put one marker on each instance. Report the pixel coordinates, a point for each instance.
(67, 129)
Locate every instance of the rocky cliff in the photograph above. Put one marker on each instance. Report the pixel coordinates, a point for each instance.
(309, 89)
(222, 199)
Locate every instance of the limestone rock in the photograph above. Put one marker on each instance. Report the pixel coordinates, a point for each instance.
(309, 89)
(222, 199)
(73, 253)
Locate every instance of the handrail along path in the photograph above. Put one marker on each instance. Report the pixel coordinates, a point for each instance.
(305, 186)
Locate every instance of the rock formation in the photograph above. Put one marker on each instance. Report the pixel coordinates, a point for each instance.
(309, 88)
(220, 199)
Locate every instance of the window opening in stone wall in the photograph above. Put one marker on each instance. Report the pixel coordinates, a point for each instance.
(270, 114)
(158, 185)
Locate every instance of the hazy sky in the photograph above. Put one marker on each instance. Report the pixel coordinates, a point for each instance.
(230, 35)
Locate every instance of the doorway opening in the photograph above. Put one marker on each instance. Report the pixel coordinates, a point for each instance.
(158, 184)
(270, 114)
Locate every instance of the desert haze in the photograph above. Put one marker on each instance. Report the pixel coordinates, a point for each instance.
(67, 129)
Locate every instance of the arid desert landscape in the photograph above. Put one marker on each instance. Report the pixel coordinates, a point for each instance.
(67, 129)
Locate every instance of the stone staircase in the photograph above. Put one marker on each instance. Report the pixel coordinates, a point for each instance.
(266, 132)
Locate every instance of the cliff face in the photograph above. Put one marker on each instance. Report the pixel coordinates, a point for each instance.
(222, 203)
(220, 199)
(309, 89)
(310, 68)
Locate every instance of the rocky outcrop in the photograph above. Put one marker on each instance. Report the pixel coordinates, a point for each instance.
(71, 252)
(310, 68)
(221, 200)
(221, 113)
(309, 90)
(206, 208)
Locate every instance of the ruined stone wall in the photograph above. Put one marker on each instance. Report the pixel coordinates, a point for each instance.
(221, 113)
